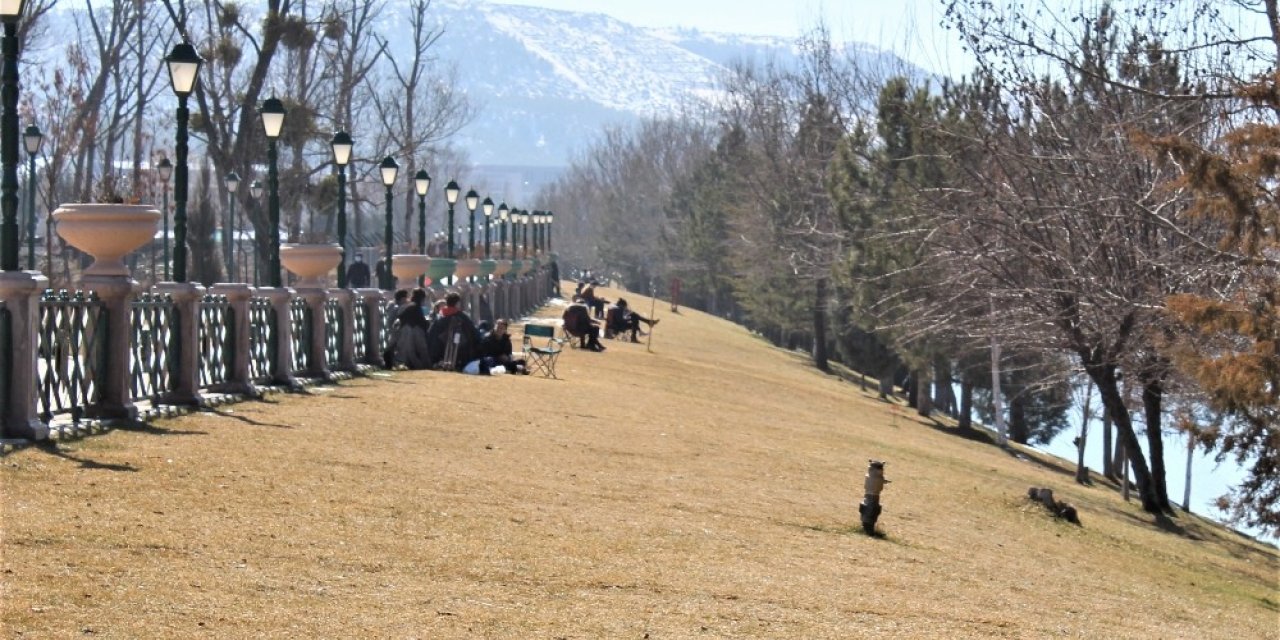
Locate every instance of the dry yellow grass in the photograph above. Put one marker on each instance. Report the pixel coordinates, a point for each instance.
(707, 489)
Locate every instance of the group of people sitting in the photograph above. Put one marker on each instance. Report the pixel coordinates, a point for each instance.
(619, 319)
(444, 337)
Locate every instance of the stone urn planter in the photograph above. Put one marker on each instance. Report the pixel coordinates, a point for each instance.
(406, 267)
(108, 232)
(310, 262)
(516, 266)
(440, 268)
(467, 267)
(501, 267)
(488, 267)
(528, 265)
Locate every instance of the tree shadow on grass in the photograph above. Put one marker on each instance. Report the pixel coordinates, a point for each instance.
(53, 449)
(1040, 462)
(138, 426)
(1160, 521)
(246, 419)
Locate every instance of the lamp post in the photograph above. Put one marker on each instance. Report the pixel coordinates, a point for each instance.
(272, 112)
(487, 207)
(551, 218)
(31, 139)
(10, 12)
(184, 70)
(451, 197)
(502, 231)
(389, 168)
(537, 232)
(473, 201)
(229, 227)
(255, 190)
(165, 169)
(524, 220)
(341, 145)
(422, 182)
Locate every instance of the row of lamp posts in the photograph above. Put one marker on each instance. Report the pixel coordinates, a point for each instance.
(183, 64)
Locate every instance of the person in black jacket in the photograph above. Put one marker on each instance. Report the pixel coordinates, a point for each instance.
(410, 335)
(358, 273)
(452, 338)
(495, 349)
(578, 323)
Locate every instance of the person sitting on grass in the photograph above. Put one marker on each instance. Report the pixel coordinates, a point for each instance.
(410, 337)
(495, 350)
(621, 319)
(453, 328)
(578, 323)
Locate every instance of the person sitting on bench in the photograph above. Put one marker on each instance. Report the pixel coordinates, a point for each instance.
(621, 319)
(578, 323)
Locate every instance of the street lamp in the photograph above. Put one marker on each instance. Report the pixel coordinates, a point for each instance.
(524, 220)
(255, 190)
(487, 206)
(229, 228)
(10, 11)
(502, 231)
(165, 169)
(272, 112)
(341, 145)
(537, 232)
(389, 168)
(473, 201)
(422, 182)
(551, 218)
(31, 139)
(451, 197)
(184, 69)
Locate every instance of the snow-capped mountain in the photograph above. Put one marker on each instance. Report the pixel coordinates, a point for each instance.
(547, 81)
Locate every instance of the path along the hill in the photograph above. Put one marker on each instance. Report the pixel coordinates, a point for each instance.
(706, 489)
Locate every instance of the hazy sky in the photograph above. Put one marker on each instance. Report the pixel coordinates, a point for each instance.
(908, 27)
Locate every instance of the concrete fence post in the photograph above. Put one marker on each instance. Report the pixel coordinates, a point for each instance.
(316, 298)
(347, 343)
(238, 296)
(116, 294)
(185, 377)
(282, 369)
(21, 291)
(375, 305)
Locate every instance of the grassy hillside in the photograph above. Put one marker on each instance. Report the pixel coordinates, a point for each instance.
(706, 489)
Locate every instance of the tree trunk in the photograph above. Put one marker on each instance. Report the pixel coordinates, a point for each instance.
(1152, 401)
(1104, 376)
(944, 396)
(924, 399)
(1082, 471)
(966, 403)
(1108, 455)
(886, 385)
(913, 388)
(1019, 431)
(1186, 493)
(820, 325)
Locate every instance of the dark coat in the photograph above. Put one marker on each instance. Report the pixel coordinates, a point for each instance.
(441, 333)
